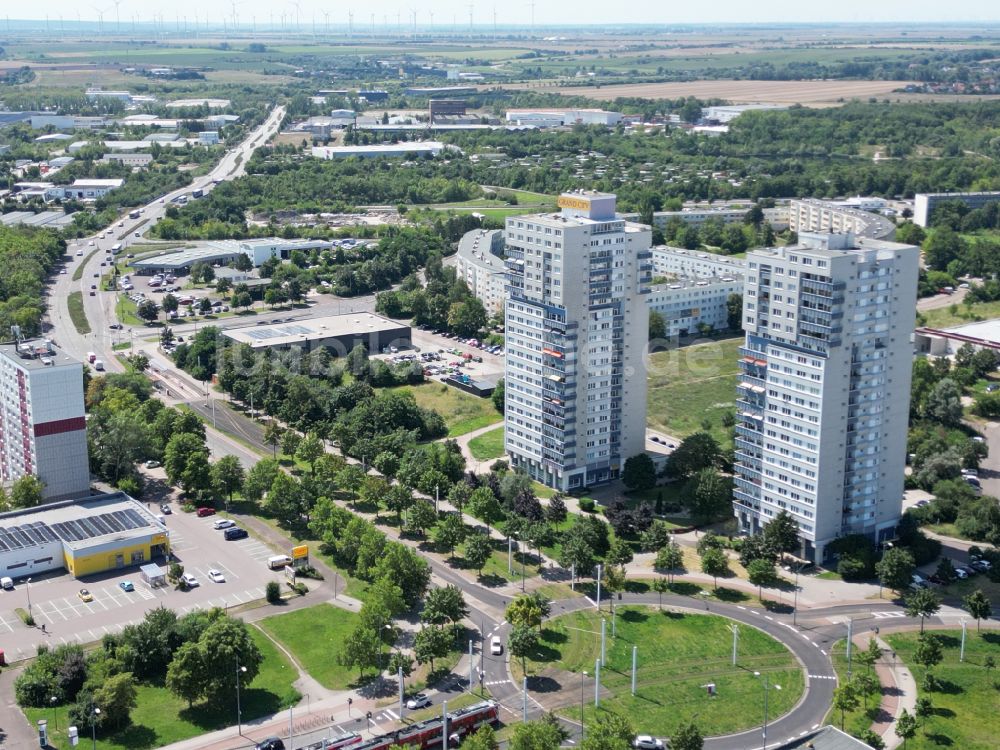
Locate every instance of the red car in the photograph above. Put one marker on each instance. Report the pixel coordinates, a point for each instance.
(202, 512)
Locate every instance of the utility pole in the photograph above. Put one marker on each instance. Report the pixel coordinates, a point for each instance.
(470, 666)
(604, 641)
(599, 570)
(399, 676)
(635, 653)
(444, 725)
(597, 683)
(736, 637)
(850, 639)
(961, 654)
(524, 699)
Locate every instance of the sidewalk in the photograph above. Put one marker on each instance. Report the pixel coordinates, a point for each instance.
(899, 691)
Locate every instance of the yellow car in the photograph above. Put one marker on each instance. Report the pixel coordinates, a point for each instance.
(86, 595)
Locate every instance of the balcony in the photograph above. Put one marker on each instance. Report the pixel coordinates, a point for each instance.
(746, 431)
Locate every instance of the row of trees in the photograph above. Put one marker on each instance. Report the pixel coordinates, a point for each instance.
(27, 256)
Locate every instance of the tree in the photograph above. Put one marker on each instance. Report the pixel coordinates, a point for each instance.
(670, 558)
(444, 606)
(661, 586)
(484, 505)
(845, 700)
(657, 326)
(431, 643)
(687, 737)
(611, 731)
(869, 656)
(944, 403)
(170, 305)
(273, 433)
(946, 570)
(309, 449)
(761, 573)
(895, 569)
(922, 603)
(528, 610)
(26, 492)
(146, 310)
(400, 661)
(290, 440)
(397, 498)
(535, 735)
(694, 453)
(734, 311)
(179, 449)
(420, 517)
(498, 395)
(708, 495)
(924, 707)
(117, 697)
(449, 532)
(227, 475)
(360, 649)
(576, 553)
(782, 533)
(483, 738)
(260, 478)
(468, 317)
(522, 642)
(656, 537)
(906, 727)
(928, 653)
(639, 472)
(979, 606)
(478, 550)
(714, 563)
(942, 247)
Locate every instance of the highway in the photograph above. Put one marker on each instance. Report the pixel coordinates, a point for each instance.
(99, 307)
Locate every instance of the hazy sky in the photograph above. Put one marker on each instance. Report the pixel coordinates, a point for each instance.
(447, 12)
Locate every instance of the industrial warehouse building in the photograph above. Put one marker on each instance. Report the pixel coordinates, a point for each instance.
(88, 536)
(339, 333)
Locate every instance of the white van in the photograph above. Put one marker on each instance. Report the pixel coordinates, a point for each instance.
(276, 562)
(7, 583)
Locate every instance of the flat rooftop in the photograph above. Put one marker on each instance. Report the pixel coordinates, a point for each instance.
(188, 256)
(312, 329)
(36, 354)
(77, 523)
(987, 330)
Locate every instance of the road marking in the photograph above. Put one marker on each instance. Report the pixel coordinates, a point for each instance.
(887, 615)
(821, 677)
(768, 617)
(740, 606)
(393, 714)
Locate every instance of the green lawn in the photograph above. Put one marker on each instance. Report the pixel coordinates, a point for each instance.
(161, 718)
(488, 445)
(314, 635)
(462, 413)
(677, 656)
(76, 313)
(965, 708)
(692, 384)
(860, 719)
(943, 317)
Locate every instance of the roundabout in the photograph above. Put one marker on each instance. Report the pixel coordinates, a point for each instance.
(796, 655)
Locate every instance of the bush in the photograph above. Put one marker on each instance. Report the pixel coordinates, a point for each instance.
(853, 569)
(299, 588)
(587, 504)
(272, 592)
(308, 571)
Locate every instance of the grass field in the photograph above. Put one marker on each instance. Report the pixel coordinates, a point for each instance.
(692, 384)
(76, 313)
(462, 413)
(161, 718)
(965, 708)
(677, 655)
(488, 445)
(943, 317)
(314, 635)
(856, 721)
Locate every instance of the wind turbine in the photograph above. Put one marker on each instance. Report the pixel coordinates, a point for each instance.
(100, 19)
(470, 16)
(350, 23)
(326, 19)
(298, 14)
(413, 18)
(118, 20)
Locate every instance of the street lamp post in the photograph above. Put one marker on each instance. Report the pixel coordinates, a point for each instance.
(239, 713)
(27, 588)
(55, 721)
(94, 713)
(583, 686)
(767, 687)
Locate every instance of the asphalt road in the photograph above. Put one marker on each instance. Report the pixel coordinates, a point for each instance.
(100, 307)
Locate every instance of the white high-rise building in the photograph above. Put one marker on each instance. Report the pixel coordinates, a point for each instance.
(576, 330)
(824, 390)
(43, 427)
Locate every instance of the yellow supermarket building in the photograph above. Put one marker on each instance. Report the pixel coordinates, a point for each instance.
(84, 536)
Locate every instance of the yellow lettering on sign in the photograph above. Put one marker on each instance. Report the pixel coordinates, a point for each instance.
(301, 551)
(566, 201)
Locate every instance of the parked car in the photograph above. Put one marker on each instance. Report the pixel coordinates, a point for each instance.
(981, 565)
(961, 574)
(189, 580)
(126, 586)
(223, 523)
(646, 742)
(231, 535)
(216, 576)
(202, 512)
(151, 464)
(85, 595)
(165, 509)
(918, 581)
(420, 700)
(271, 743)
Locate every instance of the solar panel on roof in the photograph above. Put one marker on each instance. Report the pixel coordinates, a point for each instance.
(136, 516)
(112, 522)
(22, 537)
(88, 528)
(9, 540)
(3, 546)
(101, 524)
(126, 520)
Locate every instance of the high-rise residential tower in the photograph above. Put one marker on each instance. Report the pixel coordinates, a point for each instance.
(824, 390)
(576, 329)
(43, 428)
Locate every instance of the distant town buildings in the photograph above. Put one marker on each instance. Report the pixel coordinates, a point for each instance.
(576, 328)
(391, 150)
(823, 393)
(925, 203)
(551, 118)
(135, 160)
(689, 305)
(43, 428)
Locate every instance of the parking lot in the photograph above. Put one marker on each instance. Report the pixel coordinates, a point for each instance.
(57, 605)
